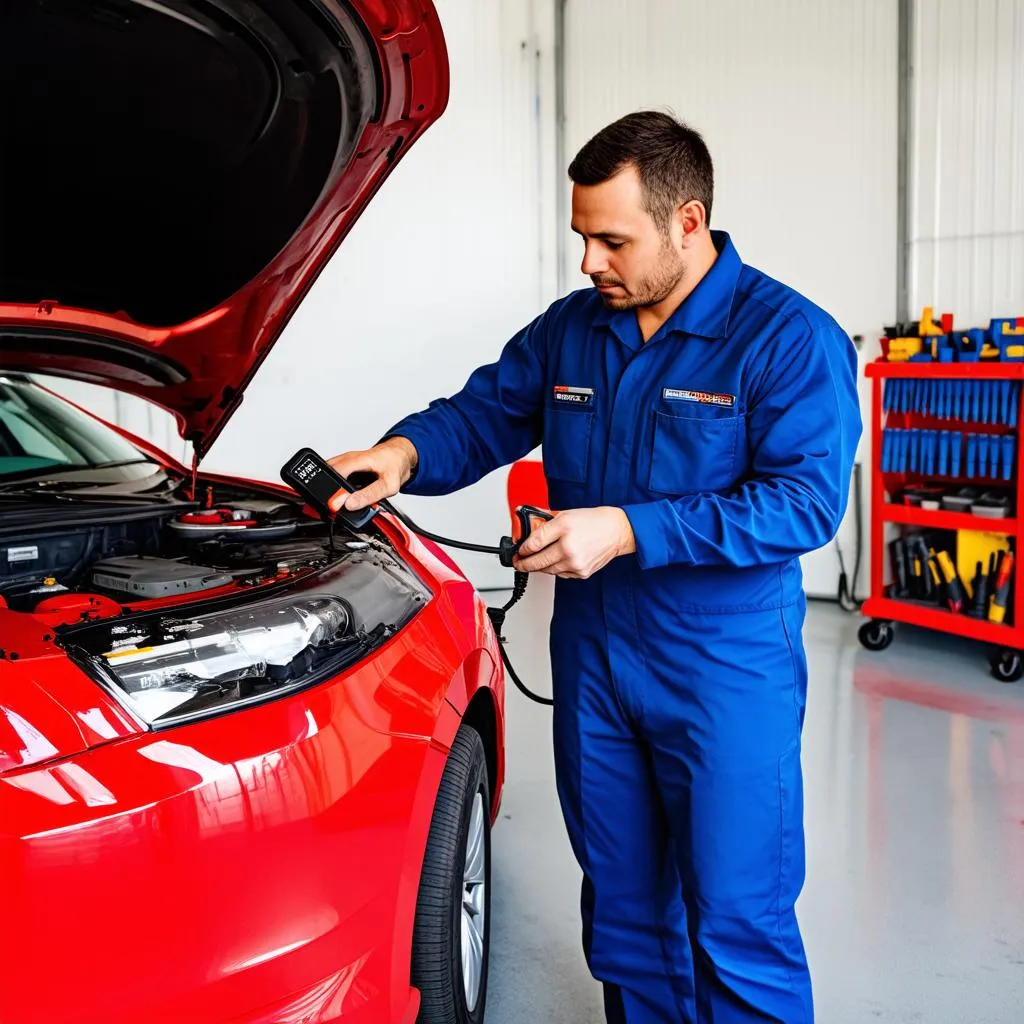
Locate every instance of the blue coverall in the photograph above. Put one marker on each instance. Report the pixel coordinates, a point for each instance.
(679, 673)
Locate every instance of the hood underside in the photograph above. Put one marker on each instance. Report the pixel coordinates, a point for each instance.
(175, 173)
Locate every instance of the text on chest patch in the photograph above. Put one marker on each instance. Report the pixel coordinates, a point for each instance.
(702, 397)
(576, 396)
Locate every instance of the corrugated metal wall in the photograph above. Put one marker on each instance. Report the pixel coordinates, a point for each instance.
(797, 101)
(967, 166)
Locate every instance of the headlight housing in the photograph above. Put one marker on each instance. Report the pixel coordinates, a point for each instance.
(168, 668)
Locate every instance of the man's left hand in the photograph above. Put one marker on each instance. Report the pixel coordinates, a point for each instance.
(577, 543)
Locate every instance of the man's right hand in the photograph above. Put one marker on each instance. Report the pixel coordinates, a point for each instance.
(392, 462)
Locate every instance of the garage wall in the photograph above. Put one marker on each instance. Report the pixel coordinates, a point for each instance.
(797, 102)
(966, 215)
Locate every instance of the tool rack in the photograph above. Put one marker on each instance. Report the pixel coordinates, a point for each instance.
(883, 610)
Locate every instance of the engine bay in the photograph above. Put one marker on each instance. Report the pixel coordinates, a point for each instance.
(91, 561)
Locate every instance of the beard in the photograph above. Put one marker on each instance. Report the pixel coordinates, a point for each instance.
(654, 287)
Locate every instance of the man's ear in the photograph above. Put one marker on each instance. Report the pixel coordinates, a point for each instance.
(689, 222)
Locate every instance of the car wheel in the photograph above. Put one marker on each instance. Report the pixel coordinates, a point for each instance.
(451, 940)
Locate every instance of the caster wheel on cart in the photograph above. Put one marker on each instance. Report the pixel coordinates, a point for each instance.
(876, 635)
(1007, 666)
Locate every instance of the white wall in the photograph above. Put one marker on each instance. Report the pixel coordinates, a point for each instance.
(797, 102)
(967, 168)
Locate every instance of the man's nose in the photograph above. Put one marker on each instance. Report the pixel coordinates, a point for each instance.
(594, 261)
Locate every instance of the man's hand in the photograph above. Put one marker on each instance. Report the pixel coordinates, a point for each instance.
(391, 462)
(576, 544)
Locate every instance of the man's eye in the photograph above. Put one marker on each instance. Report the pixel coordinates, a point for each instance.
(614, 245)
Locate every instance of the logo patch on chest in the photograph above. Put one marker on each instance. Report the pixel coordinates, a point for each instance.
(574, 396)
(701, 397)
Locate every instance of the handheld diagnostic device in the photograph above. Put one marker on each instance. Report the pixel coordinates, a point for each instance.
(317, 482)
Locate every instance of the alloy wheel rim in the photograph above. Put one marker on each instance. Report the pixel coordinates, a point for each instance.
(474, 904)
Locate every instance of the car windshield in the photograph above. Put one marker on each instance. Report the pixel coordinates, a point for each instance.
(41, 434)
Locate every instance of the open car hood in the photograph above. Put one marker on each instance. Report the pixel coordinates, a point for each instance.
(180, 171)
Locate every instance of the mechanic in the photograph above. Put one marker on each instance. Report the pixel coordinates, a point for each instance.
(699, 422)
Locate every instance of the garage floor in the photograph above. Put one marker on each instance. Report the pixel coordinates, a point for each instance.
(914, 775)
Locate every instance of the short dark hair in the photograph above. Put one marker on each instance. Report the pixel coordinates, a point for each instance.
(671, 159)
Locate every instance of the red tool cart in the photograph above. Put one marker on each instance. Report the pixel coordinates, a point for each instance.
(947, 500)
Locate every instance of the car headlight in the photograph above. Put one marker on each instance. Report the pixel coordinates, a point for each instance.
(168, 668)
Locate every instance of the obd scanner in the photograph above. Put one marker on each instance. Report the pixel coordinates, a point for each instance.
(317, 482)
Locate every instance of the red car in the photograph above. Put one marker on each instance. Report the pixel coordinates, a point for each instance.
(248, 765)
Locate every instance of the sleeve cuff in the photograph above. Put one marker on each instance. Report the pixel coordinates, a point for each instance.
(651, 523)
(420, 482)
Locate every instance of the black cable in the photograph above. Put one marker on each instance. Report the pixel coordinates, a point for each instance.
(497, 615)
(847, 596)
(520, 685)
(436, 538)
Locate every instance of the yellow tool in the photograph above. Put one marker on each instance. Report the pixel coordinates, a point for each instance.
(901, 349)
(974, 546)
(1001, 589)
(954, 587)
(927, 326)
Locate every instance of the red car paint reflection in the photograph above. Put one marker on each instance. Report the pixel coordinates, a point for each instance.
(217, 867)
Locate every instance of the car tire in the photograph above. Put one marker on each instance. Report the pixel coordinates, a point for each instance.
(451, 938)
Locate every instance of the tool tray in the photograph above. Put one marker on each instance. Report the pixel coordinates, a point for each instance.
(921, 414)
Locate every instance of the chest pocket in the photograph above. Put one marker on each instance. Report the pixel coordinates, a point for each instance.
(695, 449)
(566, 451)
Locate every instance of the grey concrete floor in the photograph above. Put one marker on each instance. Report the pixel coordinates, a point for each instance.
(913, 911)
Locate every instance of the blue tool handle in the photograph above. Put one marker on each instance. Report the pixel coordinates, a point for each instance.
(972, 455)
(976, 400)
(986, 401)
(1014, 403)
(1009, 456)
(982, 455)
(886, 455)
(903, 451)
(944, 453)
(956, 447)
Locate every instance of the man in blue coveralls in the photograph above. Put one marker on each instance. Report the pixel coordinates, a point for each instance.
(699, 422)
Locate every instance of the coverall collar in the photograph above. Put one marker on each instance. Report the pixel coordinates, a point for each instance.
(704, 313)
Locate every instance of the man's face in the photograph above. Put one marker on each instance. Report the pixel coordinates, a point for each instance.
(631, 262)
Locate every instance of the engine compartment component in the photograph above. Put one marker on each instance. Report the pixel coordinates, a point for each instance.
(223, 520)
(118, 559)
(151, 577)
